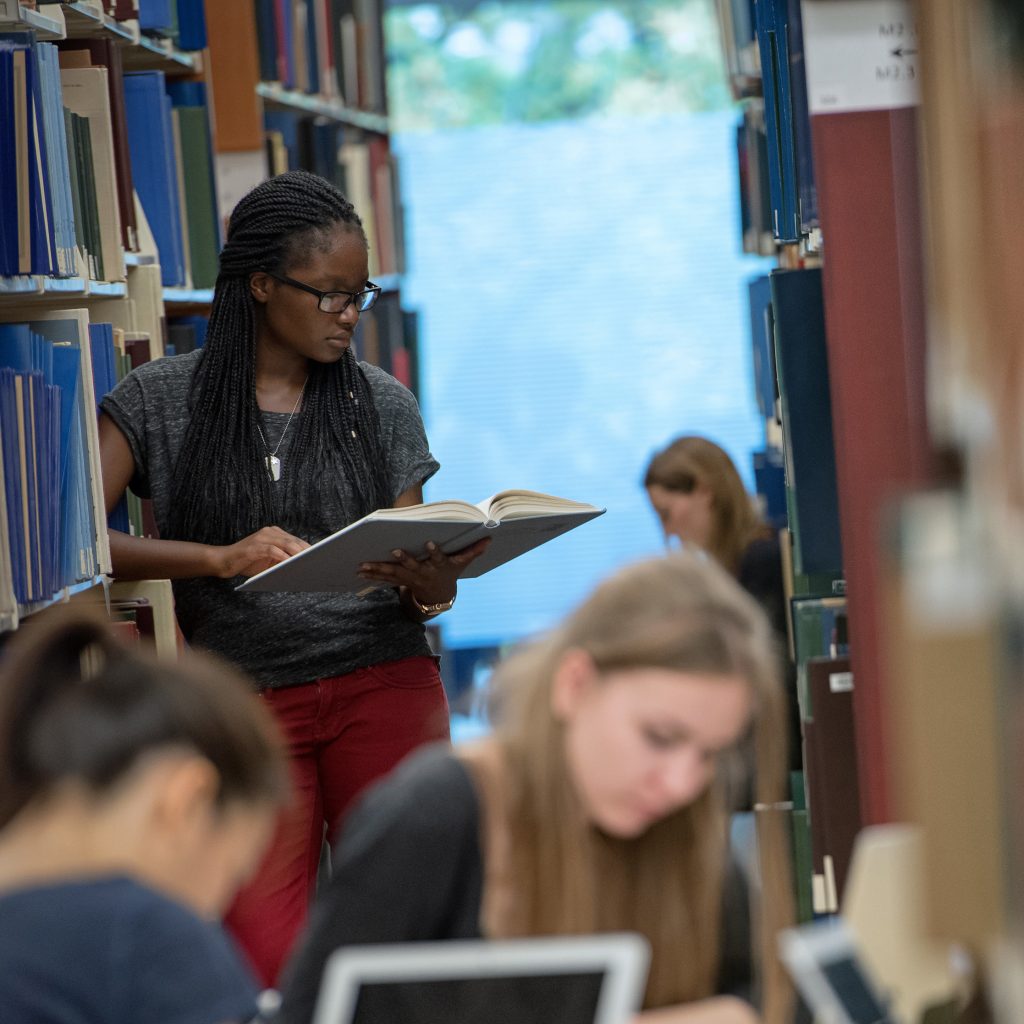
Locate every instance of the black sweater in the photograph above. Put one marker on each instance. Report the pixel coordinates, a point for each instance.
(408, 868)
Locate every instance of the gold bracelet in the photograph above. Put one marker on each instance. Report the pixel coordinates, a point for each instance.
(430, 609)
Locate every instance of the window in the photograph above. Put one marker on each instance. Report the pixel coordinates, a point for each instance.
(573, 250)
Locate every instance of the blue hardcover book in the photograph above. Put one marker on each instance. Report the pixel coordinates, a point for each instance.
(57, 157)
(48, 469)
(44, 238)
(286, 42)
(98, 361)
(16, 347)
(16, 357)
(27, 398)
(30, 356)
(773, 43)
(104, 373)
(287, 122)
(801, 357)
(44, 245)
(199, 324)
(184, 93)
(8, 168)
(770, 484)
(192, 24)
(42, 258)
(326, 139)
(312, 51)
(66, 370)
(100, 372)
(77, 541)
(14, 487)
(266, 38)
(759, 291)
(806, 188)
(71, 330)
(156, 17)
(81, 542)
(742, 22)
(154, 168)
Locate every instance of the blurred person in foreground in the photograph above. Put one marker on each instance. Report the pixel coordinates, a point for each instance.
(597, 804)
(136, 796)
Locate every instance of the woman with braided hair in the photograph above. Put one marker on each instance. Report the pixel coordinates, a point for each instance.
(267, 439)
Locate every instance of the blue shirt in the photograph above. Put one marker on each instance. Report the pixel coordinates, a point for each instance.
(111, 951)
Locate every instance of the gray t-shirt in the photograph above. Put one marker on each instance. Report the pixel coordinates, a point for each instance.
(279, 639)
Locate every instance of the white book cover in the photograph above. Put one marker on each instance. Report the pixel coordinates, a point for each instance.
(515, 522)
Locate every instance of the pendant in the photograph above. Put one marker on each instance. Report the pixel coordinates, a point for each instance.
(274, 465)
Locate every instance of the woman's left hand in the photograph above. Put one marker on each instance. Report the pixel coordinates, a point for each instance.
(432, 580)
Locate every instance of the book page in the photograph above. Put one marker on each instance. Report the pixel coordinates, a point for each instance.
(433, 511)
(517, 504)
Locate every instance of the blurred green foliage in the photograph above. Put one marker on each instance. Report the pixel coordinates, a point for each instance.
(545, 60)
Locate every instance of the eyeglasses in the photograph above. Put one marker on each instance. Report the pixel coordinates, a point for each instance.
(335, 302)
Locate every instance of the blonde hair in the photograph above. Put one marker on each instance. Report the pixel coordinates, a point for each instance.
(691, 461)
(685, 614)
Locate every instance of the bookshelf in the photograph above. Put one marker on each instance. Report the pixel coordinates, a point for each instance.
(112, 230)
(778, 191)
(914, 140)
(953, 557)
(287, 100)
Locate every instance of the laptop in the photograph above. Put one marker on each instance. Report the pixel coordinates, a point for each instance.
(574, 980)
(828, 970)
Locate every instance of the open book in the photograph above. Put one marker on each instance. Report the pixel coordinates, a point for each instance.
(516, 522)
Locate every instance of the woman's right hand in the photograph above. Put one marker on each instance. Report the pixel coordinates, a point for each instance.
(258, 551)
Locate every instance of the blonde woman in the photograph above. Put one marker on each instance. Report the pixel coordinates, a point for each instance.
(596, 804)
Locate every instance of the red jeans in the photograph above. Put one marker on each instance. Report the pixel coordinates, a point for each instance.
(343, 733)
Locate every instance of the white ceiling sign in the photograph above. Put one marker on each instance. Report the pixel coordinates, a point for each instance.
(859, 55)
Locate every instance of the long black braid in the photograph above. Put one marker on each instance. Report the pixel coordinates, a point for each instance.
(222, 490)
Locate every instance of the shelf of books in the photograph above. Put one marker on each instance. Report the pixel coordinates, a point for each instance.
(795, 471)
(955, 554)
(879, 160)
(301, 84)
(115, 121)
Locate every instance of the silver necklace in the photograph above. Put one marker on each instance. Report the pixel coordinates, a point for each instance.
(272, 461)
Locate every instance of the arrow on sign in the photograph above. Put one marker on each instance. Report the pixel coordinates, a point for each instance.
(902, 52)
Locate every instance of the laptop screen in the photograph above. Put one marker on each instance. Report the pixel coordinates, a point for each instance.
(569, 998)
(859, 1001)
(581, 980)
(824, 961)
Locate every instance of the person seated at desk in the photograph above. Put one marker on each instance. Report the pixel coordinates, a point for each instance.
(700, 500)
(136, 796)
(597, 804)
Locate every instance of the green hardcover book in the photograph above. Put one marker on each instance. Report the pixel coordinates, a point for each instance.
(200, 200)
(90, 205)
(815, 635)
(135, 513)
(76, 183)
(802, 866)
(798, 791)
